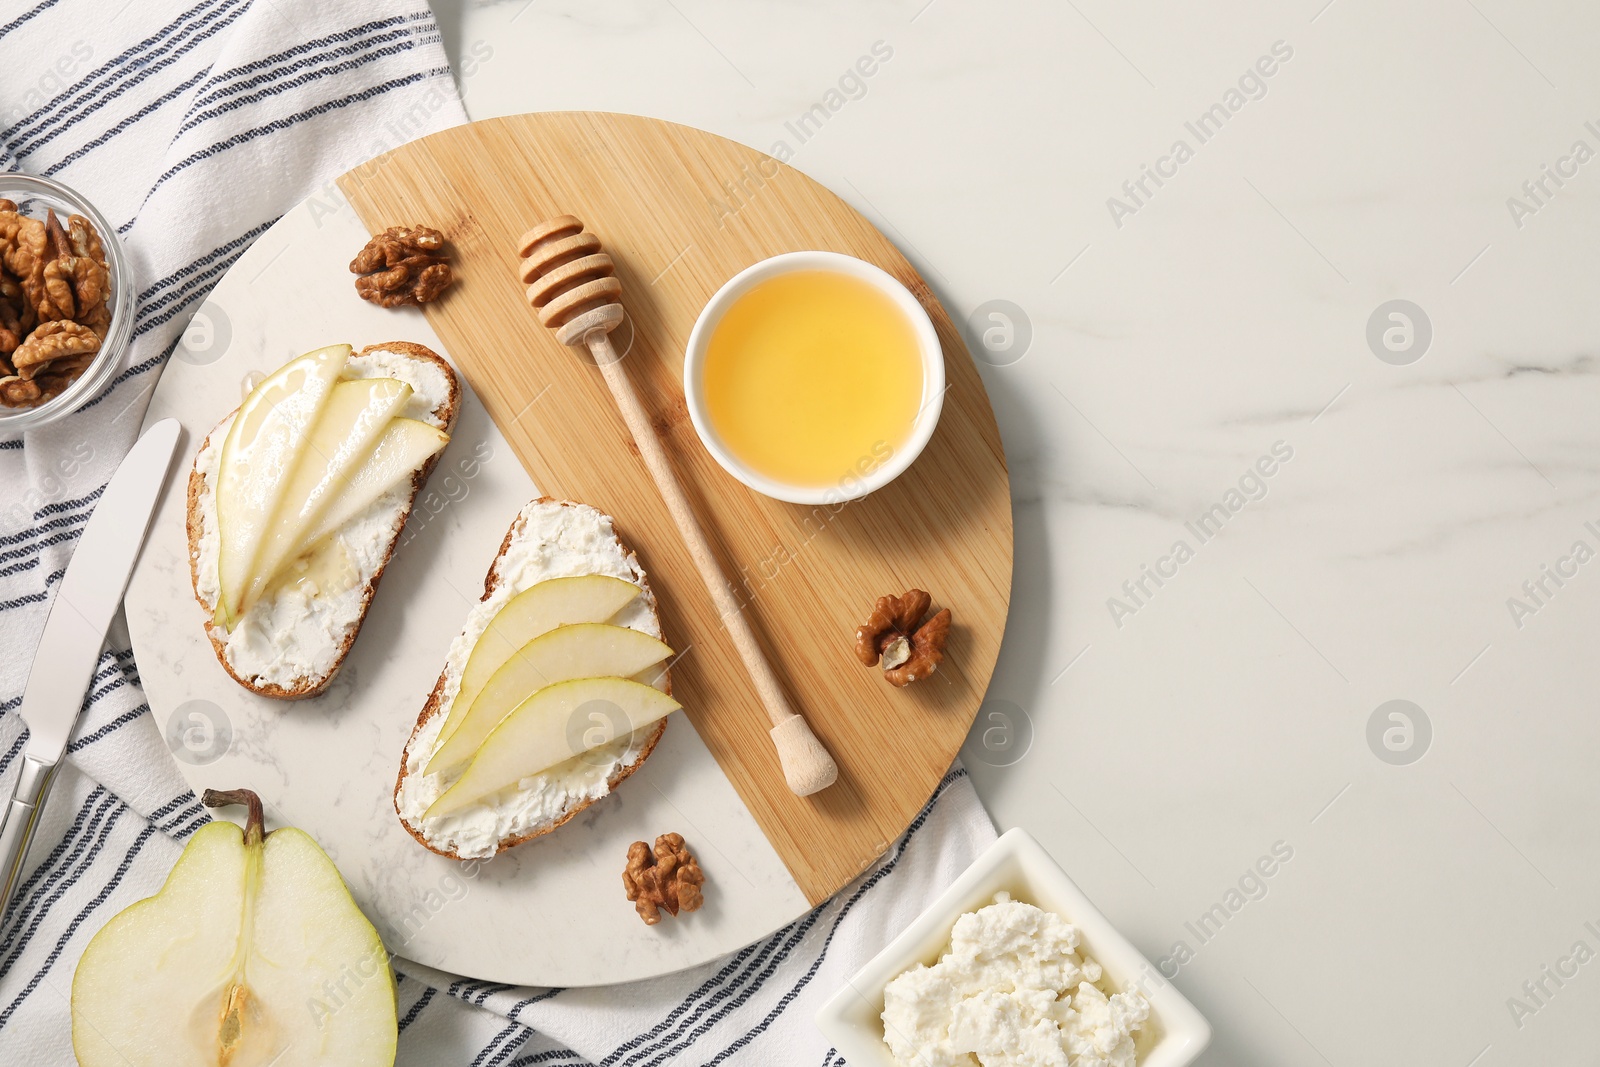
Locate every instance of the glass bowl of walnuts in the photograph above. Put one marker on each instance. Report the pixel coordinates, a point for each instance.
(66, 302)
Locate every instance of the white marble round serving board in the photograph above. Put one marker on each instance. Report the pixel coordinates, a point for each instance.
(550, 912)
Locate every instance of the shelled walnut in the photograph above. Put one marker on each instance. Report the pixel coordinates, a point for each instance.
(76, 280)
(58, 339)
(55, 286)
(668, 878)
(402, 265)
(897, 635)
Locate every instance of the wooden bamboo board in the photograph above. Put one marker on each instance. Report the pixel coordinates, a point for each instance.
(681, 211)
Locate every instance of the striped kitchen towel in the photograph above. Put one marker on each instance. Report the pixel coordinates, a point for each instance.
(193, 126)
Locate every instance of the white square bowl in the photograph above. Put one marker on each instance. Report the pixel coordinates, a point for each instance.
(1173, 1036)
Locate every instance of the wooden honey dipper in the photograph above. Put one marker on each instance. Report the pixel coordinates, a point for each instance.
(573, 286)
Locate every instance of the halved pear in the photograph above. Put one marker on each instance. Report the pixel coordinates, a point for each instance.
(580, 650)
(536, 610)
(558, 723)
(251, 954)
(402, 449)
(265, 441)
(356, 414)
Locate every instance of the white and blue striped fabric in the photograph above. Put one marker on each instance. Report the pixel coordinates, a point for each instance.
(193, 125)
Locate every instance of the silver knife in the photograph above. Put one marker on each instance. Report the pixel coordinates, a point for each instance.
(93, 586)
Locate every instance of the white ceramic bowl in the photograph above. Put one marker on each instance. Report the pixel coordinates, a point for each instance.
(1173, 1036)
(850, 487)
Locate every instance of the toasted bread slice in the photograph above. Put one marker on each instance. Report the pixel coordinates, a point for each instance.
(548, 539)
(291, 643)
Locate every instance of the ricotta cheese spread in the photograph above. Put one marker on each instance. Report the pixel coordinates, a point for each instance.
(430, 384)
(1012, 991)
(548, 540)
(295, 632)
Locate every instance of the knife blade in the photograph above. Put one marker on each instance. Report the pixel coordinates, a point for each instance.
(69, 647)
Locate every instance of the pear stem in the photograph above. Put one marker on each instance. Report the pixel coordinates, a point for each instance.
(222, 798)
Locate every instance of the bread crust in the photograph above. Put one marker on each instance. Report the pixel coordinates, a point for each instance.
(432, 708)
(195, 528)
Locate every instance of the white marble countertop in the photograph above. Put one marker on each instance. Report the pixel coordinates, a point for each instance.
(1433, 864)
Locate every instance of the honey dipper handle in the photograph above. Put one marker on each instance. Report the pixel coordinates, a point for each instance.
(807, 766)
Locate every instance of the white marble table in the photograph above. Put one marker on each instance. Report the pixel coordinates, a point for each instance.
(1163, 737)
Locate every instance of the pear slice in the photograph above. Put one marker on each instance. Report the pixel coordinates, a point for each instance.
(356, 414)
(558, 723)
(580, 650)
(405, 445)
(536, 610)
(251, 954)
(266, 439)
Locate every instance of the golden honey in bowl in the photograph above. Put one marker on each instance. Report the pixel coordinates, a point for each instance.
(812, 377)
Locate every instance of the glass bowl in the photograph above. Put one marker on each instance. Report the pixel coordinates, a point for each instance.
(34, 197)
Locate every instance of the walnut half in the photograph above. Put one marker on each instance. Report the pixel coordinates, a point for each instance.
(897, 636)
(402, 265)
(668, 878)
(58, 339)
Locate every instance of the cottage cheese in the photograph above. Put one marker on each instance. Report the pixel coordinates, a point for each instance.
(1012, 990)
(294, 633)
(548, 540)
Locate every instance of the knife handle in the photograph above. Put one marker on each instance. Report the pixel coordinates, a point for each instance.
(21, 818)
